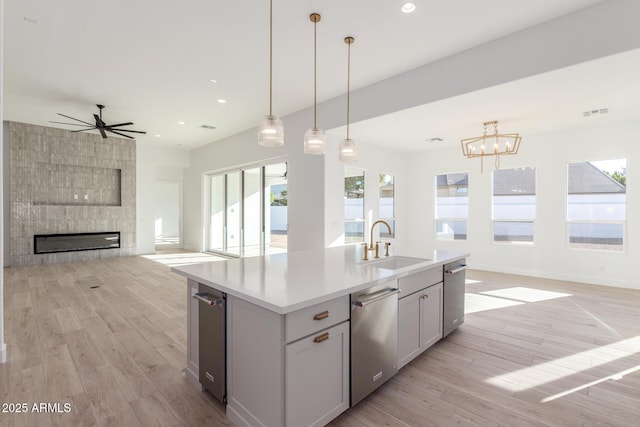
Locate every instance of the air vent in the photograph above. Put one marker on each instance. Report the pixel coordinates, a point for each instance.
(207, 127)
(594, 112)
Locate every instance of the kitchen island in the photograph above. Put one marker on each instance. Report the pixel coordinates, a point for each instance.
(287, 327)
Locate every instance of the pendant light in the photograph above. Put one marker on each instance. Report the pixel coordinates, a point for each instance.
(348, 151)
(315, 141)
(270, 130)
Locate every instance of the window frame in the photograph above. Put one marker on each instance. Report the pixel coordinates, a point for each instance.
(435, 210)
(355, 220)
(390, 220)
(568, 222)
(514, 220)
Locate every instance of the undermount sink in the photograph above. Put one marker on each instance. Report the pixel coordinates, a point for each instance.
(395, 262)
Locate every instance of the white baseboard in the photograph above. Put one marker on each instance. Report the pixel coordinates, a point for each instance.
(591, 280)
(3, 353)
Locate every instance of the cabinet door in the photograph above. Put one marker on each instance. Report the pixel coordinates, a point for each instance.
(430, 316)
(317, 377)
(408, 328)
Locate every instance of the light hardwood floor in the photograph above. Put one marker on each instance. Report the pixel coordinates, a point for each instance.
(108, 337)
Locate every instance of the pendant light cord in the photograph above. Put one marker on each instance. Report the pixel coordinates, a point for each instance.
(315, 101)
(271, 57)
(348, 83)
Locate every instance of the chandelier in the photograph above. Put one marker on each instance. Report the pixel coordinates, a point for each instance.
(495, 144)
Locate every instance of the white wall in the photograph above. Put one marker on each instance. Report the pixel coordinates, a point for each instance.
(550, 255)
(374, 160)
(305, 183)
(153, 164)
(3, 345)
(167, 209)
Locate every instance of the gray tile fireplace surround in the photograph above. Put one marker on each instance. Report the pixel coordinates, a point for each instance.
(62, 183)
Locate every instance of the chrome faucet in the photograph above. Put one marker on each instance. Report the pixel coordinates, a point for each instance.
(376, 248)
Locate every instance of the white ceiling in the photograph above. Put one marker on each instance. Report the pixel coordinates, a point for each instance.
(150, 62)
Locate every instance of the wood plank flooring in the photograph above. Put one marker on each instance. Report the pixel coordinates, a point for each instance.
(108, 337)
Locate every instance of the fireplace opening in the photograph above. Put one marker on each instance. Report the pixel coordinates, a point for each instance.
(71, 242)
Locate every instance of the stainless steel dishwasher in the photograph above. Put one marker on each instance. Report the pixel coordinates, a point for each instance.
(212, 341)
(374, 338)
(453, 296)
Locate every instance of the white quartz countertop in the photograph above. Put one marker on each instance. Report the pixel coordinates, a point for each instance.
(287, 282)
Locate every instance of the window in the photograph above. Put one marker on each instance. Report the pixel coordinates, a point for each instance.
(387, 205)
(452, 206)
(353, 205)
(248, 211)
(514, 205)
(597, 204)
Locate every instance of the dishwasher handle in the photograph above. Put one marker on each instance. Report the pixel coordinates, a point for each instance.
(202, 296)
(457, 270)
(364, 300)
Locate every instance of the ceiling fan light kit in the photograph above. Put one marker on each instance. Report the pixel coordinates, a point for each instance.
(100, 125)
(271, 130)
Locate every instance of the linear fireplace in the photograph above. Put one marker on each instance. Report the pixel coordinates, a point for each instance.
(71, 242)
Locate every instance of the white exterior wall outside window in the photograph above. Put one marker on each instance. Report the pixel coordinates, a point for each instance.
(451, 206)
(387, 205)
(353, 205)
(514, 205)
(597, 205)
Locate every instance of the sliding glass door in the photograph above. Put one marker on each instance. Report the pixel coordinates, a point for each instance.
(248, 211)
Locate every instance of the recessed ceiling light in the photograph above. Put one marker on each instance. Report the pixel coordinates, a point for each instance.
(408, 7)
(213, 80)
(180, 123)
(157, 136)
(222, 101)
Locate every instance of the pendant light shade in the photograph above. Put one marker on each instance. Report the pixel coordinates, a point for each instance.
(348, 151)
(270, 130)
(315, 141)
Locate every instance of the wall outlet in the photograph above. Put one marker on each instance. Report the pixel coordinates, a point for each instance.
(86, 197)
(75, 196)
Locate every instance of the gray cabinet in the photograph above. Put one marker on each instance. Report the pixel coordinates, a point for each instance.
(317, 377)
(419, 322)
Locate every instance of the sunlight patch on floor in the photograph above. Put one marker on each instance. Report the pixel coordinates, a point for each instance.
(553, 370)
(475, 303)
(614, 377)
(520, 293)
(182, 258)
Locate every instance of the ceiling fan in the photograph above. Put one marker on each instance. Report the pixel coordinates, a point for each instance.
(100, 125)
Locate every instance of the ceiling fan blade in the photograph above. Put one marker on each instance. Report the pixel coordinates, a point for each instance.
(118, 133)
(82, 130)
(73, 118)
(109, 128)
(102, 132)
(99, 122)
(120, 124)
(63, 123)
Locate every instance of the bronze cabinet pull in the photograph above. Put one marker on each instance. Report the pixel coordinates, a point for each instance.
(322, 337)
(322, 315)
